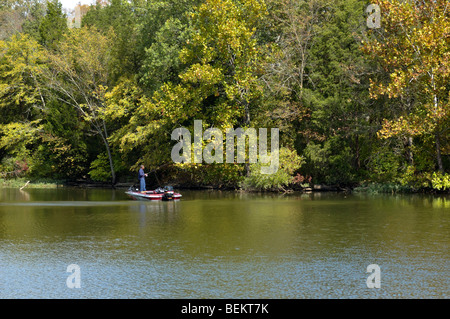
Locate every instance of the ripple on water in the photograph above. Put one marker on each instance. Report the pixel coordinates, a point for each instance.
(256, 247)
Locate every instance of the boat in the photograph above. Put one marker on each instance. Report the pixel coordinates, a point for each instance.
(164, 194)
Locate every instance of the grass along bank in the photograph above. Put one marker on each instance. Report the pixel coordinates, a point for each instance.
(27, 183)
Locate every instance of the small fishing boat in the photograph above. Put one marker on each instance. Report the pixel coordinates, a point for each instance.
(165, 194)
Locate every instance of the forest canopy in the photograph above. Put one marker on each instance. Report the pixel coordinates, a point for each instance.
(354, 104)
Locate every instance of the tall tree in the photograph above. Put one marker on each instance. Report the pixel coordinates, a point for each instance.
(225, 56)
(36, 11)
(22, 61)
(18, 15)
(79, 76)
(297, 24)
(413, 47)
(162, 58)
(325, 79)
(293, 29)
(219, 85)
(53, 24)
(123, 18)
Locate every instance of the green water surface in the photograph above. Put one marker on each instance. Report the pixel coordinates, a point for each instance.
(215, 244)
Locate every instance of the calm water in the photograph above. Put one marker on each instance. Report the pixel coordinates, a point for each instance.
(222, 245)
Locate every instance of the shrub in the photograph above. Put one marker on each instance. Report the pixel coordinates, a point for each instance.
(289, 162)
(100, 169)
(440, 181)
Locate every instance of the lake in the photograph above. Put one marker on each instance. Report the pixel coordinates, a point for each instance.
(214, 244)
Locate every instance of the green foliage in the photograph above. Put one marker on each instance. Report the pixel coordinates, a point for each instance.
(53, 24)
(99, 169)
(226, 175)
(17, 140)
(414, 179)
(225, 59)
(79, 75)
(74, 101)
(219, 84)
(330, 163)
(57, 158)
(22, 61)
(440, 181)
(36, 12)
(162, 62)
(124, 19)
(384, 165)
(410, 181)
(153, 15)
(15, 137)
(289, 162)
(334, 116)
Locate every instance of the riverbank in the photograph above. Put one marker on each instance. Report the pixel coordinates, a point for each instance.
(30, 183)
(372, 188)
(26, 183)
(391, 188)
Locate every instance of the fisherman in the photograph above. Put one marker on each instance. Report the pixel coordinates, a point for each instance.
(142, 176)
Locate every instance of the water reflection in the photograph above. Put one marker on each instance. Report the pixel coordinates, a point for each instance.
(156, 207)
(223, 244)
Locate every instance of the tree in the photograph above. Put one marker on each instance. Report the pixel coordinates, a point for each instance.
(35, 14)
(219, 85)
(153, 16)
(337, 93)
(18, 15)
(22, 61)
(297, 24)
(123, 18)
(11, 19)
(53, 24)
(79, 76)
(412, 46)
(322, 78)
(225, 49)
(293, 29)
(162, 58)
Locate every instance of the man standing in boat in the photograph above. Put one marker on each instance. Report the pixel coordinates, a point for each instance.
(142, 176)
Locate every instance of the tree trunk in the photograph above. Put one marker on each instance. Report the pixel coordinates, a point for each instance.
(111, 164)
(108, 151)
(436, 135)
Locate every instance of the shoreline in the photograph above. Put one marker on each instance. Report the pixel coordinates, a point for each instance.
(372, 188)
